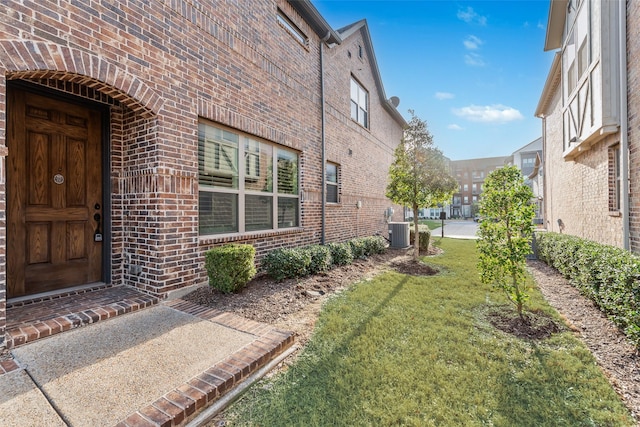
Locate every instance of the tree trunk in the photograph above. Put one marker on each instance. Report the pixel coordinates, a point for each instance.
(416, 234)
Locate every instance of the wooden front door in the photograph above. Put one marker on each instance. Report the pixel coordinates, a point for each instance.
(54, 194)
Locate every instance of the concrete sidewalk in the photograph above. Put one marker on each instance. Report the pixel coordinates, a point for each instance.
(157, 366)
(457, 229)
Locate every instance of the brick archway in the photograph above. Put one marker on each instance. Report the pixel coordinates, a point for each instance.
(40, 60)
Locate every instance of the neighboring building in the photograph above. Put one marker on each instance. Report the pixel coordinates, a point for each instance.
(529, 160)
(138, 135)
(470, 175)
(591, 156)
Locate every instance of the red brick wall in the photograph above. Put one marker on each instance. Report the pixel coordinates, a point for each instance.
(363, 154)
(161, 66)
(633, 105)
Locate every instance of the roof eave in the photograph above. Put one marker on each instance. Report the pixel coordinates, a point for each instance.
(310, 14)
(555, 24)
(550, 86)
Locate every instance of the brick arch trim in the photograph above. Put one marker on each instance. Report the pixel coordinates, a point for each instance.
(30, 59)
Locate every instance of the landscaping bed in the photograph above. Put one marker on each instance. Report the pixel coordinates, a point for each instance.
(295, 305)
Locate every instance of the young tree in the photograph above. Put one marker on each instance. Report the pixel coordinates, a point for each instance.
(505, 233)
(419, 177)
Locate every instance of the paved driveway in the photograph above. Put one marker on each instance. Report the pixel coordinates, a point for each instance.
(457, 229)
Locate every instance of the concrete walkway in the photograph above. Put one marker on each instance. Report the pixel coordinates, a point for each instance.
(457, 229)
(157, 366)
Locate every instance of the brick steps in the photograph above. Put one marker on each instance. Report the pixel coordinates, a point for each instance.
(38, 319)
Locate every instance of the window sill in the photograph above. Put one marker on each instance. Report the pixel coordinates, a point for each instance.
(615, 213)
(233, 237)
(359, 124)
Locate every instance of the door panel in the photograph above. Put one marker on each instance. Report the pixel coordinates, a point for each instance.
(54, 178)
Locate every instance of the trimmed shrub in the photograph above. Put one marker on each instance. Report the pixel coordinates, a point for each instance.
(610, 276)
(320, 258)
(230, 267)
(424, 234)
(341, 253)
(374, 245)
(285, 263)
(358, 248)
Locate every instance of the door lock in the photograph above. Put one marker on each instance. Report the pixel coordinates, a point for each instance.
(97, 236)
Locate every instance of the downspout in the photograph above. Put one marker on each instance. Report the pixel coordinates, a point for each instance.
(322, 142)
(624, 126)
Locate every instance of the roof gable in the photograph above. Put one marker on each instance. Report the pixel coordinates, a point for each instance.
(363, 28)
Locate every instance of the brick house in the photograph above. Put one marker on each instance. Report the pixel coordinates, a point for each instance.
(140, 135)
(588, 108)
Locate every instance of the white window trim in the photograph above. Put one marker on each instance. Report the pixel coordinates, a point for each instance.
(336, 184)
(241, 191)
(361, 104)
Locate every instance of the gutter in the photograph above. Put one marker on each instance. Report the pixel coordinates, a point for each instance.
(624, 126)
(323, 215)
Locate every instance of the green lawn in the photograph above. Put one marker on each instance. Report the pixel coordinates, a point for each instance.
(418, 351)
(431, 223)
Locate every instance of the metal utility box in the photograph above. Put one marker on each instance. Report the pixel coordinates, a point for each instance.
(399, 234)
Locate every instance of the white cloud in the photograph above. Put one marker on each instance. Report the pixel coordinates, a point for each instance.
(474, 60)
(444, 95)
(469, 16)
(455, 127)
(472, 43)
(540, 25)
(496, 113)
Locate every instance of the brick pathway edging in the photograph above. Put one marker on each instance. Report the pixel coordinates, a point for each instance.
(15, 337)
(184, 402)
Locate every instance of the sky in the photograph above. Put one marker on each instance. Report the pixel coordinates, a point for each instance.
(474, 70)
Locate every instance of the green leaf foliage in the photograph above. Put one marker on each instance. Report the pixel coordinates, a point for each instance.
(419, 176)
(320, 259)
(341, 253)
(610, 276)
(424, 236)
(505, 233)
(290, 263)
(286, 263)
(230, 267)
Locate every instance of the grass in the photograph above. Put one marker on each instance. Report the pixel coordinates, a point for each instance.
(418, 351)
(431, 223)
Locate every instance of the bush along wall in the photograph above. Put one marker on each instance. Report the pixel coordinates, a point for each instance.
(610, 276)
(291, 263)
(230, 267)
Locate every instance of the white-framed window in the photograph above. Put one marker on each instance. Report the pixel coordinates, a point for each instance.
(474, 187)
(292, 28)
(359, 103)
(466, 199)
(466, 187)
(331, 178)
(528, 164)
(576, 54)
(259, 193)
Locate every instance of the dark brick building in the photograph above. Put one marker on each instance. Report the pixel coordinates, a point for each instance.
(137, 135)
